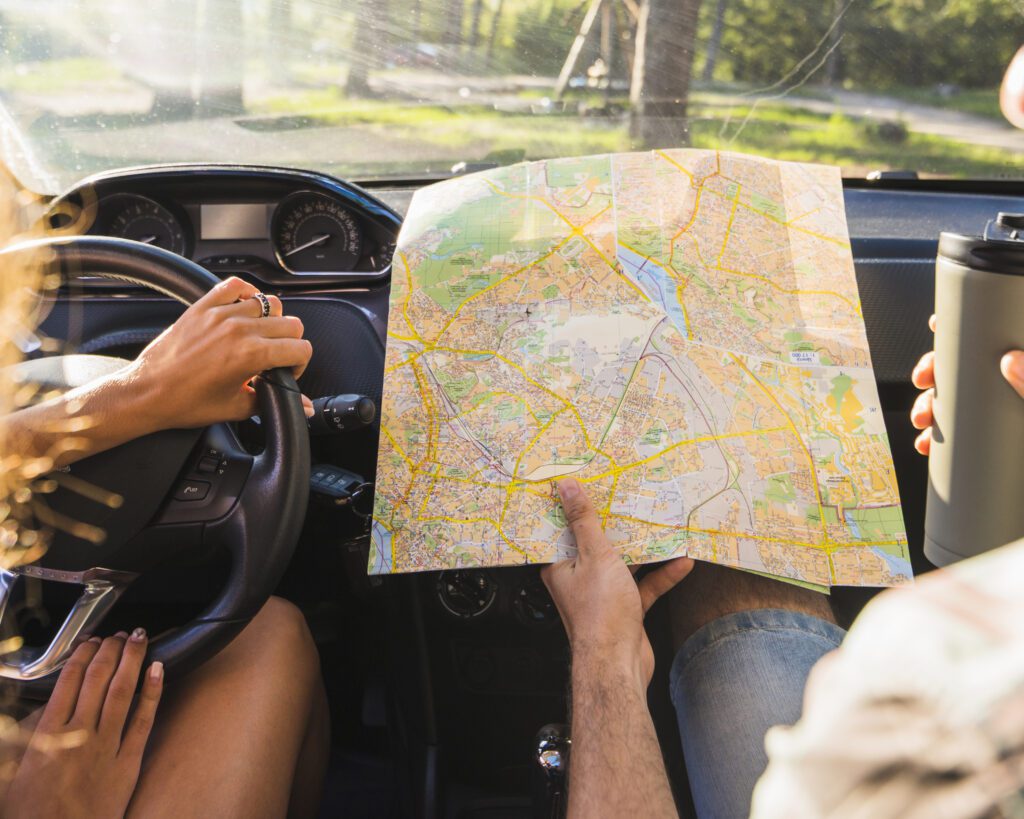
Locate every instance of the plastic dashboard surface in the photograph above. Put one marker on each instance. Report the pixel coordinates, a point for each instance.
(274, 225)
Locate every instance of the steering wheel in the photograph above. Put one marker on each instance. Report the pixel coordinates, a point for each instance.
(173, 495)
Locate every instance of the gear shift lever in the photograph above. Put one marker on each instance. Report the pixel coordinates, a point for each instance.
(551, 754)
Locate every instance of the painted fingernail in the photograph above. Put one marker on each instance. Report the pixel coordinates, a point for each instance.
(138, 635)
(156, 671)
(568, 488)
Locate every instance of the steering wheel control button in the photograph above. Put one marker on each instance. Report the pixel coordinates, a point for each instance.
(208, 464)
(192, 491)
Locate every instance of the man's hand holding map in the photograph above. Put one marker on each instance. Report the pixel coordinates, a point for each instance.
(678, 330)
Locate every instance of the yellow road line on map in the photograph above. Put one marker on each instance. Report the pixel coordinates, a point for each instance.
(595, 217)
(500, 281)
(575, 231)
(398, 449)
(515, 485)
(728, 226)
(688, 442)
(827, 546)
(770, 218)
(671, 161)
(685, 228)
(492, 394)
(607, 508)
(408, 296)
(522, 372)
(519, 460)
(682, 306)
(428, 493)
(405, 362)
(428, 406)
(465, 521)
(745, 535)
(807, 452)
(788, 291)
(789, 222)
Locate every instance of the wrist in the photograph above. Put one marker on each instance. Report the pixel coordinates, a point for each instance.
(141, 400)
(610, 663)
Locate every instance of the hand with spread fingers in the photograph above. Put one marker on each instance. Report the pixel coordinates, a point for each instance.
(85, 754)
(921, 415)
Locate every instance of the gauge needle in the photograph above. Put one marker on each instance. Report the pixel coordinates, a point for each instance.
(316, 240)
(148, 240)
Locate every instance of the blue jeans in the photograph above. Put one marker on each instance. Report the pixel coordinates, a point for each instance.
(731, 681)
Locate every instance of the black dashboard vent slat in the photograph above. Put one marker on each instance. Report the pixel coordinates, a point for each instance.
(897, 296)
(348, 356)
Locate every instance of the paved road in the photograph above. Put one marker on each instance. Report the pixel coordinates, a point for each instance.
(921, 119)
(448, 89)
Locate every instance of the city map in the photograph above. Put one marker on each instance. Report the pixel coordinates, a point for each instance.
(678, 330)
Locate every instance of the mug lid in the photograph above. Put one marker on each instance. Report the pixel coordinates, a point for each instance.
(999, 250)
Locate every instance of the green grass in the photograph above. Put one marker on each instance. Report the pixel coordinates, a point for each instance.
(982, 102)
(771, 130)
(67, 75)
(855, 145)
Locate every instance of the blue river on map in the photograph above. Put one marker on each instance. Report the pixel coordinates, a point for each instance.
(657, 283)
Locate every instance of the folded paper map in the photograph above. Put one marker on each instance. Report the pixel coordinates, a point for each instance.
(678, 330)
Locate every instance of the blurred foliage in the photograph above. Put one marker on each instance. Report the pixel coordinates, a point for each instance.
(882, 43)
(879, 44)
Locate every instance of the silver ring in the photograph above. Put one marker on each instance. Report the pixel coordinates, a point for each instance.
(264, 304)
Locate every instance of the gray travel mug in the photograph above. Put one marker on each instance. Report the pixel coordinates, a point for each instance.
(976, 465)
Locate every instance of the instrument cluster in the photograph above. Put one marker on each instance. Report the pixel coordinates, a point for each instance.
(271, 224)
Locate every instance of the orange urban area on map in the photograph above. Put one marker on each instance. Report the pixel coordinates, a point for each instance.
(679, 330)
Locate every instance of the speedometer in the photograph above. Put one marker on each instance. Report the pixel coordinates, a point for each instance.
(142, 220)
(313, 233)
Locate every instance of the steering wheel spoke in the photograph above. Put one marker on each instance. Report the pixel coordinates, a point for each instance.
(212, 480)
(102, 588)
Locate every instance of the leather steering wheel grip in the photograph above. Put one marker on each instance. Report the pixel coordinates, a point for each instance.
(262, 529)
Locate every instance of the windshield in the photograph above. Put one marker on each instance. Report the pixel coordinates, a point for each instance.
(369, 89)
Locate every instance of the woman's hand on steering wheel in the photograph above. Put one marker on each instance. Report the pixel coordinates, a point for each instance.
(197, 372)
(83, 759)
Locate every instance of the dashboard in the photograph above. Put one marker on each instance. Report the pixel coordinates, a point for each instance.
(274, 226)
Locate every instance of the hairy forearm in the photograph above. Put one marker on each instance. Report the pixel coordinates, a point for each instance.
(98, 416)
(616, 768)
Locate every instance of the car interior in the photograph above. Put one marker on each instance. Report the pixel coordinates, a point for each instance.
(442, 685)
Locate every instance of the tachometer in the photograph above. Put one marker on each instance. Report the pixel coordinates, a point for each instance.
(313, 233)
(143, 220)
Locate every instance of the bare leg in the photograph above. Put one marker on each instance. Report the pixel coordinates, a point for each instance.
(246, 734)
